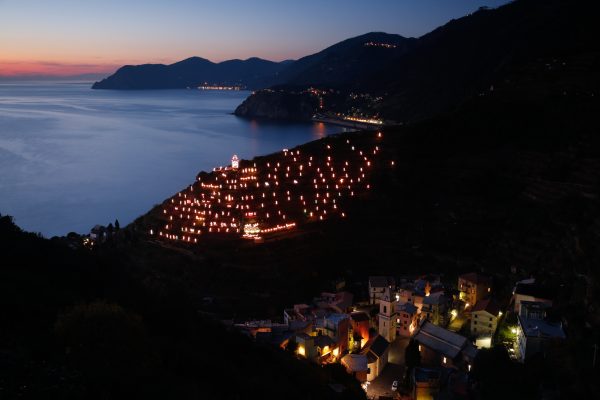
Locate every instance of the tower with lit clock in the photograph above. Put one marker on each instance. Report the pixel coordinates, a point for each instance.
(235, 162)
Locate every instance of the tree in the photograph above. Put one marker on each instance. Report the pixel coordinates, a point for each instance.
(117, 225)
(106, 343)
(497, 376)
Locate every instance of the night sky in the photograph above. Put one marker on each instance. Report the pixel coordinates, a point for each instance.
(68, 37)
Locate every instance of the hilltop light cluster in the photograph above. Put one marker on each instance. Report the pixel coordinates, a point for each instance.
(378, 44)
(253, 199)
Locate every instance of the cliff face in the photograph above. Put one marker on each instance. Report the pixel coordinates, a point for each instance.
(268, 104)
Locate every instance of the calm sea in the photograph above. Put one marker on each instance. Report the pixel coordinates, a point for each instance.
(72, 157)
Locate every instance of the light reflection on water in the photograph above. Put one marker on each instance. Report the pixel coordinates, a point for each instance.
(71, 157)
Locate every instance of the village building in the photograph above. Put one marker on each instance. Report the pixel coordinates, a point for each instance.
(376, 350)
(408, 293)
(529, 292)
(340, 302)
(441, 347)
(484, 321)
(387, 315)
(316, 347)
(535, 332)
(378, 286)
(407, 319)
(359, 335)
(436, 309)
(356, 365)
(98, 233)
(425, 383)
(473, 287)
(336, 327)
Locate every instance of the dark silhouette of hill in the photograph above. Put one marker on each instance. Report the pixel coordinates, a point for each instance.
(438, 71)
(470, 55)
(192, 72)
(347, 62)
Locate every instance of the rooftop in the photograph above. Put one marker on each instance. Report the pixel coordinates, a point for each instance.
(377, 346)
(323, 340)
(336, 318)
(476, 278)
(355, 362)
(541, 328)
(381, 281)
(359, 316)
(408, 308)
(303, 336)
(533, 290)
(441, 340)
(435, 298)
(488, 305)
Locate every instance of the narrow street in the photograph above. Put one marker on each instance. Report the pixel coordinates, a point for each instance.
(457, 323)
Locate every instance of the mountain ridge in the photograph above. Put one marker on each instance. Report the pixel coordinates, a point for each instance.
(253, 72)
(436, 72)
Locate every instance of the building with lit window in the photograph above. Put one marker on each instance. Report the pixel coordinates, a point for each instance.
(360, 324)
(473, 287)
(530, 292)
(337, 327)
(408, 293)
(235, 162)
(484, 321)
(378, 286)
(407, 319)
(387, 315)
(356, 365)
(536, 333)
(435, 309)
(376, 350)
(441, 347)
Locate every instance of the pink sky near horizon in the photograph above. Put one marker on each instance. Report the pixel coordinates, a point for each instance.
(56, 69)
(74, 37)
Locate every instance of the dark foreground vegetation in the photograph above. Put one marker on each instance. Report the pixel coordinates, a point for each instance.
(78, 324)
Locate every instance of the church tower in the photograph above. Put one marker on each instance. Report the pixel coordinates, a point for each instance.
(387, 315)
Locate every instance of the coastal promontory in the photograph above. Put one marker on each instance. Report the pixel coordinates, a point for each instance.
(282, 105)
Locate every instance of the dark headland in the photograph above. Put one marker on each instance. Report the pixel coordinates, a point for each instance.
(194, 72)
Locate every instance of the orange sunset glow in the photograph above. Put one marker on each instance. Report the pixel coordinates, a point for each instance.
(24, 68)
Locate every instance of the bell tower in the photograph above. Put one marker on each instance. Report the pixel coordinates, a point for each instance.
(387, 313)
